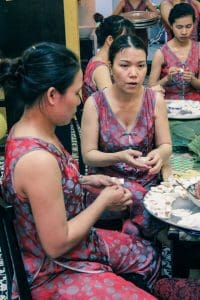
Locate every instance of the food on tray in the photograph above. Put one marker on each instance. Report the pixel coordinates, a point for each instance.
(181, 212)
(160, 204)
(190, 221)
(171, 202)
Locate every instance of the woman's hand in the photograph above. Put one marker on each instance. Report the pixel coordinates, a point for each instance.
(155, 161)
(171, 72)
(131, 158)
(117, 197)
(187, 75)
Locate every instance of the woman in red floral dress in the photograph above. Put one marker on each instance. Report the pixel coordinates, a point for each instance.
(65, 257)
(176, 66)
(127, 121)
(136, 5)
(97, 73)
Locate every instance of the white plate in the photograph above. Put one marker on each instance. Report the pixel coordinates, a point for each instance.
(183, 109)
(172, 205)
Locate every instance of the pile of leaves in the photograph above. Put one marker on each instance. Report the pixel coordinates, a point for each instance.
(186, 137)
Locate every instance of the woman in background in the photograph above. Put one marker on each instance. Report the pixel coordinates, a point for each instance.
(165, 8)
(130, 136)
(97, 74)
(176, 66)
(136, 5)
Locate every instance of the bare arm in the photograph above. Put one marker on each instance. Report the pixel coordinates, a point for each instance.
(195, 82)
(160, 155)
(101, 77)
(166, 171)
(43, 187)
(119, 7)
(162, 132)
(89, 143)
(197, 4)
(154, 78)
(151, 7)
(165, 8)
(188, 75)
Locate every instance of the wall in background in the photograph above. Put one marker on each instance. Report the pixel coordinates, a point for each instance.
(104, 7)
(86, 10)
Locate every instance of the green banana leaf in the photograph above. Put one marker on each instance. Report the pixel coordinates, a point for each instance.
(186, 136)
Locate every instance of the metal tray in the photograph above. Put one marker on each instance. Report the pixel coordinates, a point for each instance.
(140, 16)
(178, 203)
(145, 25)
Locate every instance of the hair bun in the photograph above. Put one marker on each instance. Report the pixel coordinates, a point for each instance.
(98, 18)
(19, 71)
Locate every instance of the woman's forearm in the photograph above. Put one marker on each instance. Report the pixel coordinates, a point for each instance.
(153, 81)
(97, 158)
(165, 152)
(164, 81)
(73, 233)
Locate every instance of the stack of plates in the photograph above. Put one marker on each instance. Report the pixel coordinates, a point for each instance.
(141, 19)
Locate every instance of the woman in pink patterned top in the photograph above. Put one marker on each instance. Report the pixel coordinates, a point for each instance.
(176, 66)
(65, 257)
(136, 5)
(130, 136)
(167, 5)
(97, 74)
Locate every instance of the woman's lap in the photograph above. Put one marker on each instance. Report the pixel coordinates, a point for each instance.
(82, 286)
(130, 254)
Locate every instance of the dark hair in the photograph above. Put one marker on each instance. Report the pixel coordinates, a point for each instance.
(112, 25)
(123, 42)
(181, 10)
(40, 67)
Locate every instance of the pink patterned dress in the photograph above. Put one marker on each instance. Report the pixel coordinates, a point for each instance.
(114, 137)
(194, 35)
(89, 270)
(177, 88)
(89, 87)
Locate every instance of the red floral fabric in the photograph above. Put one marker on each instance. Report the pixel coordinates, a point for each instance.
(89, 87)
(113, 137)
(90, 270)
